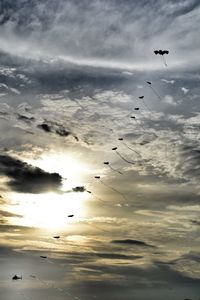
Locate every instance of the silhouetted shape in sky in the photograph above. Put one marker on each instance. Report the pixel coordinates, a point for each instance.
(162, 53)
(16, 277)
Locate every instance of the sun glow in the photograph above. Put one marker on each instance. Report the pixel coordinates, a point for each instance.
(51, 210)
(47, 210)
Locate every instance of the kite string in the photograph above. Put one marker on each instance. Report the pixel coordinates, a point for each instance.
(48, 284)
(156, 93)
(145, 104)
(98, 198)
(110, 187)
(52, 285)
(115, 170)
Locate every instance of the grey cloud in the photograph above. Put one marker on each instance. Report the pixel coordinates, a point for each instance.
(25, 118)
(118, 256)
(109, 30)
(131, 242)
(26, 178)
(58, 129)
(45, 127)
(79, 189)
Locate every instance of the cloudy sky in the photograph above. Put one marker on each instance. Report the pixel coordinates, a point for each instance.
(72, 77)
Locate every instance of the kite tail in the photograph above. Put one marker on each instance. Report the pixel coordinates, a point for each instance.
(129, 162)
(110, 187)
(131, 149)
(164, 60)
(115, 170)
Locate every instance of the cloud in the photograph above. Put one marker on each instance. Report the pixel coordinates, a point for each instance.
(117, 256)
(26, 118)
(168, 81)
(58, 129)
(79, 189)
(185, 91)
(131, 242)
(169, 100)
(45, 127)
(112, 34)
(26, 178)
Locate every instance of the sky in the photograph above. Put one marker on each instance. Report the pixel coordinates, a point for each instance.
(83, 156)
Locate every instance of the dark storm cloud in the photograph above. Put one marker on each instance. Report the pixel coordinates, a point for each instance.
(131, 242)
(26, 178)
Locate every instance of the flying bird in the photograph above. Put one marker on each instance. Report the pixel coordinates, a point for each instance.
(16, 277)
(42, 256)
(55, 237)
(70, 216)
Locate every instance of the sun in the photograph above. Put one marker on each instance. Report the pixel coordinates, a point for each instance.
(50, 210)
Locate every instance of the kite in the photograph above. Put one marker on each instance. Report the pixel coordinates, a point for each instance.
(162, 53)
(16, 277)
